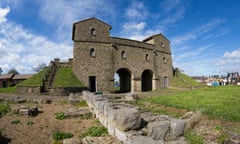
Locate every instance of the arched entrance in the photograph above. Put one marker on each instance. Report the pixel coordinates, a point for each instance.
(147, 76)
(124, 80)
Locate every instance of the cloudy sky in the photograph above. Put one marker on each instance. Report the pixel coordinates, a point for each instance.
(204, 34)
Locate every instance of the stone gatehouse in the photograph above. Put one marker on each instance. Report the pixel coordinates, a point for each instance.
(141, 65)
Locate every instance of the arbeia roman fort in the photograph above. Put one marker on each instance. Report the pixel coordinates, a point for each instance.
(141, 65)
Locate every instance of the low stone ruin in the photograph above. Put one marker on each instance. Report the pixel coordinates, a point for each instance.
(131, 125)
(25, 110)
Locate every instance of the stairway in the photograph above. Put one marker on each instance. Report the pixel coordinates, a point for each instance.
(48, 76)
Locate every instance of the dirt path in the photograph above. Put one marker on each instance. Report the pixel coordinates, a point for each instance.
(39, 129)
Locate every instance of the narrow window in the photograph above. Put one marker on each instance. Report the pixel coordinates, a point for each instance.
(164, 60)
(147, 57)
(162, 44)
(92, 52)
(124, 55)
(93, 32)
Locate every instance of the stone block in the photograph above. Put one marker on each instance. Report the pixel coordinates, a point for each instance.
(177, 127)
(143, 140)
(158, 129)
(72, 141)
(192, 120)
(128, 119)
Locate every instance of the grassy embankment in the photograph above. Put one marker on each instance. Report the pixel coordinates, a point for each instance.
(216, 102)
(65, 78)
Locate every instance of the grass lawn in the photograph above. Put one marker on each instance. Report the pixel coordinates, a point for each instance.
(8, 90)
(66, 78)
(217, 102)
(35, 80)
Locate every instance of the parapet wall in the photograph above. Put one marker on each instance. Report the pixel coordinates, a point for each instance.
(132, 125)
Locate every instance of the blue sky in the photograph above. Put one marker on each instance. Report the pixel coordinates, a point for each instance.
(204, 34)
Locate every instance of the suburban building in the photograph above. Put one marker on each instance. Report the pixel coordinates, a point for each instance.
(141, 65)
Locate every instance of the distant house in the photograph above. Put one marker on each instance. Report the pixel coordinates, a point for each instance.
(19, 78)
(6, 80)
(12, 79)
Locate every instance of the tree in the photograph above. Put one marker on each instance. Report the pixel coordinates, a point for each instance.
(1, 70)
(176, 71)
(13, 71)
(39, 67)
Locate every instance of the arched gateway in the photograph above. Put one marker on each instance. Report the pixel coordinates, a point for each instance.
(141, 65)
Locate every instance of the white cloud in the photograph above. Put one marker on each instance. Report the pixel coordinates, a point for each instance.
(23, 50)
(62, 14)
(3, 14)
(134, 26)
(232, 55)
(137, 10)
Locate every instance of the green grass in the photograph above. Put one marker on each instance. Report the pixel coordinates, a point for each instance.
(8, 90)
(95, 131)
(81, 103)
(65, 78)
(184, 81)
(59, 135)
(4, 108)
(16, 121)
(60, 116)
(193, 138)
(216, 102)
(35, 80)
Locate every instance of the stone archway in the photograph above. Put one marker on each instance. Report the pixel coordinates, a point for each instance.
(147, 77)
(124, 79)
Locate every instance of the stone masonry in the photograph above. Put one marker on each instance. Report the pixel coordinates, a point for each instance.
(131, 125)
(141, 65)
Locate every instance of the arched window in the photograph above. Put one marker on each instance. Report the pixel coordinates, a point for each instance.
(164, 59)
(123, 55)
(93, 32)
(147, 57)
(92, 52)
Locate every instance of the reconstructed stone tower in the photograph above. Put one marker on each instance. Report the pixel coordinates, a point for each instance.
(141, 65)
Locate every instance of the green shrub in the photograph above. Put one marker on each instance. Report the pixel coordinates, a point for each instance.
(86, 116)
(193, 138)
(59, 135)
(95, 131)
(4, 108)
(30, 123)
(82, 103)
(60, 116)
(16, 121)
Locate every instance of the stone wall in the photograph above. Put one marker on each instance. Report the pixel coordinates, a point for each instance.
(152, 54)
(132, 125)
(28, 90)
(65, 91)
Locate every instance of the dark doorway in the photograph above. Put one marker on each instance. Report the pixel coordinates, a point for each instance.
(165, 82)
(147, 80)
(92, 83)
(124, 79)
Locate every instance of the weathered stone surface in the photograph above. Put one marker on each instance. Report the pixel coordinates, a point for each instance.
(179, 141)
(24, 110)
(42, 101)
(100, 140)
(232, 141)
(234, 138)
(128, 119)
(158, 129)
(192, 120)
(72, 141)
(19, 100)
(74, 98)
(177, 127)
(131, 96)
(76, 112)
(143, 140)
